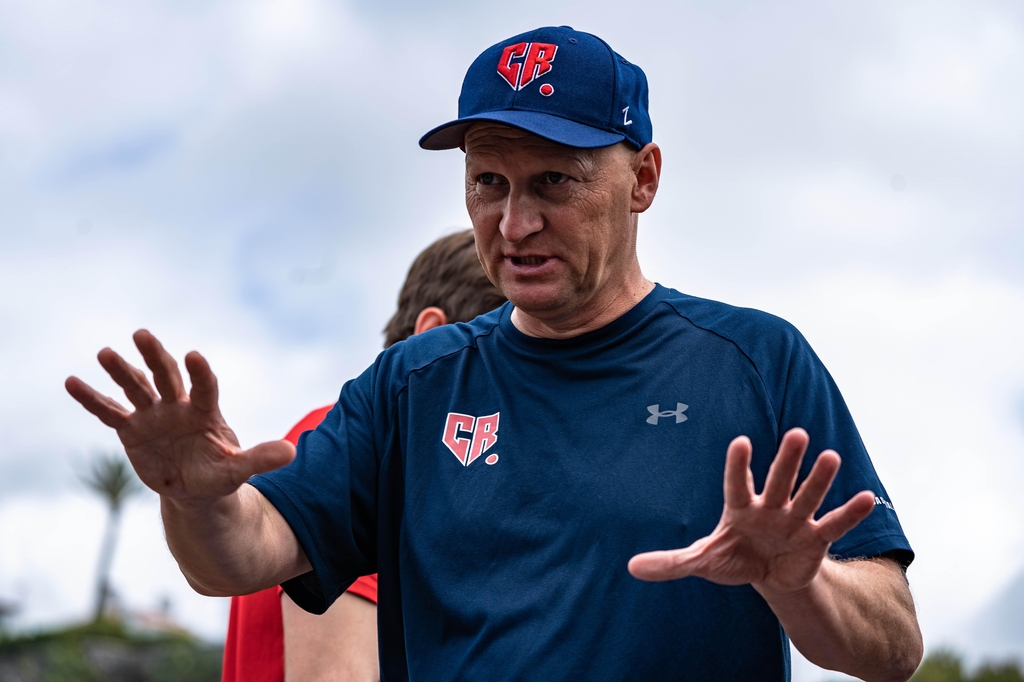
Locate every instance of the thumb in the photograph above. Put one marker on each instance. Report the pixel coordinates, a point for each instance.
(666, 564)
(268, 457)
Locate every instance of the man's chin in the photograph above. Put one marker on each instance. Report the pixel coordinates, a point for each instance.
(537, 300)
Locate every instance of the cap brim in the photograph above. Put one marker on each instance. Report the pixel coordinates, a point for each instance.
(554, 128)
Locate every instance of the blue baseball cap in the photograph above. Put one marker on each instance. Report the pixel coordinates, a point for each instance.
(563, 85)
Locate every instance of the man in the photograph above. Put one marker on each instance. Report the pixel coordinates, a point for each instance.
(501, 475)
(270, 639)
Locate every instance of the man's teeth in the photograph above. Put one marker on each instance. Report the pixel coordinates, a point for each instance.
(530, 260)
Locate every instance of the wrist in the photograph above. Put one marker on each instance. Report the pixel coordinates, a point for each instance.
(200, 505)
(795, 595)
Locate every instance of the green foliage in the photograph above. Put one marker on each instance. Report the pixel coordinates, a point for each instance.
(184, 662)
(946, 666)
(111, 477)
(999, 672)
(106, 627)
(941, 666)
(62, 662)
(105, 652)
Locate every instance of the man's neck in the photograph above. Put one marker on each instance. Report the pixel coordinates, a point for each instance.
(616, 306)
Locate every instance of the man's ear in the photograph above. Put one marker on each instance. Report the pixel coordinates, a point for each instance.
(428, 319)
(647, 167)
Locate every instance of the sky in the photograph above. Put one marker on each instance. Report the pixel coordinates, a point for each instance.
(243, 178)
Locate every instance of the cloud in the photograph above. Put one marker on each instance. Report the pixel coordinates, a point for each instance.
(123, 154)
(243, 178)
(998, 631)
(51, 548)
(937, 415)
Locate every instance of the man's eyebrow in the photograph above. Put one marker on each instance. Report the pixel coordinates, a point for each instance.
(580, 162)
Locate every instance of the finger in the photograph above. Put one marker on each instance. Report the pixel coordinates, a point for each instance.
(783, 471)
(165, 370)
(814, 488)
(841, 521)
(204, 394)
(132, 379)
(108, 410)
(739, 482)
(667, 564)
(265, 457)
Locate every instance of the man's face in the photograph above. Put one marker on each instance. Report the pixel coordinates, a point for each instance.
(554, 226)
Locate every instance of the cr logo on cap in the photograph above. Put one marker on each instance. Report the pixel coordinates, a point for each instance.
(537, 63)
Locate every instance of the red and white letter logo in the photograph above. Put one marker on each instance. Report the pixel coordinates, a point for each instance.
(469, 437)
(537, 62)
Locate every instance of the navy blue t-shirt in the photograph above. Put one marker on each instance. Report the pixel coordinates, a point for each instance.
(499, 484)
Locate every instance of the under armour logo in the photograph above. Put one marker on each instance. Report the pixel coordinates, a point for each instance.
(657, 414)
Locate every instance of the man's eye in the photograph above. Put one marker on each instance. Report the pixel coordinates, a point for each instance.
(487, 179)
(553, 178)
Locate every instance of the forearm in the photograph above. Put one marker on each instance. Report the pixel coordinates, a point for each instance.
(236, 544)
(855, 617)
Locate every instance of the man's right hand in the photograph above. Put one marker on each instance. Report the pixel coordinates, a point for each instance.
(178, 442)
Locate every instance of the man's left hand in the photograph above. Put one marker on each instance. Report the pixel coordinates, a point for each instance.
(771, 540)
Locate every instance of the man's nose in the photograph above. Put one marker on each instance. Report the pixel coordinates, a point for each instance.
(521, 218)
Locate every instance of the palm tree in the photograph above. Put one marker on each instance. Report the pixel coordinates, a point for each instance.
(112, 479)
(7, 609)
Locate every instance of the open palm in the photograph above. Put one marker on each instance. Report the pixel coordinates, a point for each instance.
(178, 442)
(771, 540)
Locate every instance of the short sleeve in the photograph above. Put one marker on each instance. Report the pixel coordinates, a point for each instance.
(806, 396)
(328, 497)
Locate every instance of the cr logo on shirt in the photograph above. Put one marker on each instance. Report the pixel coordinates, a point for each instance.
(469, 437)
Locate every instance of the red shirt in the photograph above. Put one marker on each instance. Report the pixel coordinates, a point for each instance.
(254, 650)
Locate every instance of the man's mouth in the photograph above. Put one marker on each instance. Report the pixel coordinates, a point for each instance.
(528, 260)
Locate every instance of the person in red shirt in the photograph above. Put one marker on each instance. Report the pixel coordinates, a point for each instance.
(271, 639)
